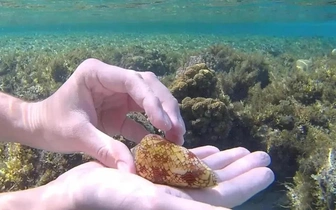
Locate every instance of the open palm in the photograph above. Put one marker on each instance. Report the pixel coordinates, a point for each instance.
(242, 174)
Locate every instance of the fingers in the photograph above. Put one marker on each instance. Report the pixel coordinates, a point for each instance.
(170, 106)
(222, 159)
(144, 96)
(204, 151)
(169, 202)
(241, 188)
(146, 90)
(241, 174)
(110, 152)
(116, 79)
(233, 192)
(233, 162)
(244, 164)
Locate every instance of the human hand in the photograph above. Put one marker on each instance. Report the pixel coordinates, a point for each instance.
(92, 105)
(92, 186)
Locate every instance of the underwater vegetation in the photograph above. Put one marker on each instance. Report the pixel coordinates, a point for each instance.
(22, 167)
(227, 97)
(34, 76)
(203, 106)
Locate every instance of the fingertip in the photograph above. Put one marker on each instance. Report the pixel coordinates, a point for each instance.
(110, 152)
(261, 157)
(166, 121)
(269, 176)
(253, 181)
(264, 177)
(177, 139)
(156, 115)
(178, 125)
(177, 131)
(126, 167)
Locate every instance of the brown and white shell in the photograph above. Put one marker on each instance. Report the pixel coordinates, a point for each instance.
(163, 162)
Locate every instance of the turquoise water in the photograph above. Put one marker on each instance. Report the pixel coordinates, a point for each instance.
(305, 29)
(277, 18)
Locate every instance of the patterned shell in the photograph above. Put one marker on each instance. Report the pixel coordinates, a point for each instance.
(163, 162)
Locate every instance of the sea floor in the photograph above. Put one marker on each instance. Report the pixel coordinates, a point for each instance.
(304, 47)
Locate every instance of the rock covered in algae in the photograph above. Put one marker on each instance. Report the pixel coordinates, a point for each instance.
(207, 120)
(140, 58)
(22, 167)
(327, 180)
(163, 162)
(196, 81)
(204, 107)
(303, 64)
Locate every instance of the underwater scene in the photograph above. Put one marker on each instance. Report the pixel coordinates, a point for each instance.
(246, 73)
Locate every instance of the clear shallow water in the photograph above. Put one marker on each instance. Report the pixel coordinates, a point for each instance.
(236, 18)
(283, 18)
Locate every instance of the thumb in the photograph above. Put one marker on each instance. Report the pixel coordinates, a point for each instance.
(110, 152)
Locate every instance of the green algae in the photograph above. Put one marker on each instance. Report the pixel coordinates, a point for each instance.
(197, 80)
(299, 113)
(227, 98)
(23, 167)
(291, 116)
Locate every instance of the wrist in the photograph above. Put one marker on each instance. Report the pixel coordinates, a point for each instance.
(19, 120)
(40, 198)
(21, 200)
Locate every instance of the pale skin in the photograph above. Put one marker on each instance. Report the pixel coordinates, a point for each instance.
(84, 113)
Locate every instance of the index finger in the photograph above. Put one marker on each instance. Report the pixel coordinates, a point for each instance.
(169, 105)
(120, 80)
